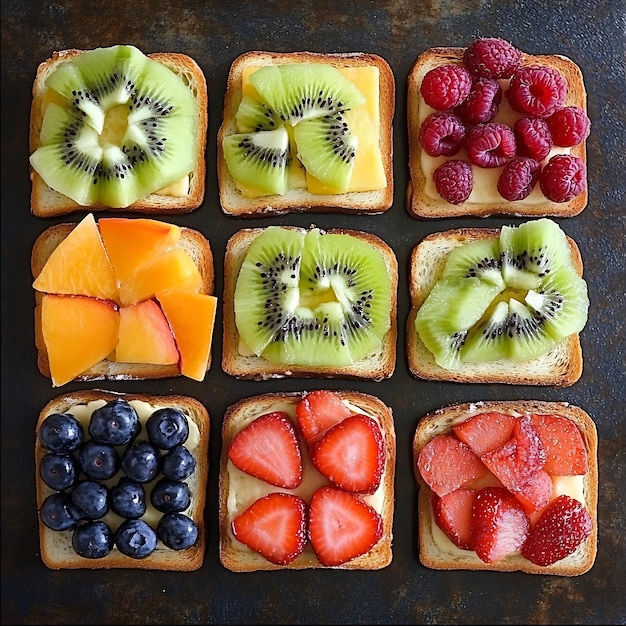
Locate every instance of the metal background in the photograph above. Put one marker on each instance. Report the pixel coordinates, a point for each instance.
(590, 32)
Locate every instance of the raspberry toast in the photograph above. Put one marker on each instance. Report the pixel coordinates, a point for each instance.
(477, 107)
(340, 468)
(532, 508)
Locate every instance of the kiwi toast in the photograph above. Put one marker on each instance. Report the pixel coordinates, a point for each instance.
(368, 520)
(191, 241)
(309, 303)
(489, 306)
(569, 460)
(306, 131)
(157, 178)
(72, 537)
(423, 199)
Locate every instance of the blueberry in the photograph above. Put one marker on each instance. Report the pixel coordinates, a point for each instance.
(170, 496)
(99, 461)
(167, 428)
(141, 462)
(58, 512)
(178, 463)
(128, 499)
(91, 499)
(61, 433)
(177, 531)
(135, 538)
(115, 423)
(59, 471)
(92, 540)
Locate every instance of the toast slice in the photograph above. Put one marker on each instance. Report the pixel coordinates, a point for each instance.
(46, 202)
(56, 546)
(436, 551)
(561, 367)
(192, 241)
(299, 199)
(422, 198)
(245, 365)
(238, 490)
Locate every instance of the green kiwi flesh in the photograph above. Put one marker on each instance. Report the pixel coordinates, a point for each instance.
(314, 299)
(126, 132)
(310, 99)
(538, 300)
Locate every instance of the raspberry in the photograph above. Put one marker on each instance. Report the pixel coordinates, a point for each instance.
(492, 57)
(490, 145)
(538, 91)
(563, 178)
(441, 134)
(569, 126)
(533, 137)
(454, 181)
(518, 178)
(446, 86)
(482, 103)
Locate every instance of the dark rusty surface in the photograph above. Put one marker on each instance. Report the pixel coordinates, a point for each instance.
(591, 32)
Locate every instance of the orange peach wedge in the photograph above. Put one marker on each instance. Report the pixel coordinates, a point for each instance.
(79, 332)
(79, 265)
(192, 318)
(145, 336)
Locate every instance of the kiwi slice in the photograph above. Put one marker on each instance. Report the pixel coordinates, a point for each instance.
(127, 128)
(254, 116)
(320, 299)
(258, 160)
(538, 298)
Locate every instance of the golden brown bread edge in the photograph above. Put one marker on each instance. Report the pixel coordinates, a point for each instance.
(55, 546)
(46, 202)
(379, 366)
(301, 201)
(562, 367)
(441, 421)
(420, 205)
(191, 240)
(236, 556)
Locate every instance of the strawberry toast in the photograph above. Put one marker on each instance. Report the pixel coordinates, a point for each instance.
(507, 486)
(307, 481)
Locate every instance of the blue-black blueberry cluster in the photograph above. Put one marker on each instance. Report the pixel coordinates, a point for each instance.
(75, 467)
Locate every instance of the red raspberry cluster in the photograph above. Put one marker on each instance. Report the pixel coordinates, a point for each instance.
(467, 98)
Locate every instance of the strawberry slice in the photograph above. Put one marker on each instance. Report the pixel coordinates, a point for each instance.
(352, 454)
(268, 449)
(499, 524)
(566, 453)
(446, 464)
(485, 432)
(519, 458)
(341, 526)
(274, 526)
(560, 529)
(318, 411)
(536, 493)
(453, 514)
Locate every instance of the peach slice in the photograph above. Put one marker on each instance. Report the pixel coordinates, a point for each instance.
(145, 336)
(192, 318)
(79, 265)
(79, 332)
(134, 242)
(172, 269)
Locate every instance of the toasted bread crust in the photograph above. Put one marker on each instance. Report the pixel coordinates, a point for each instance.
(422, 205)
(378, 366)
(298, 200)
(56, 546)
(234, 555)
(440, 421)
(46, 202)
(191, 240)
(561, 367)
